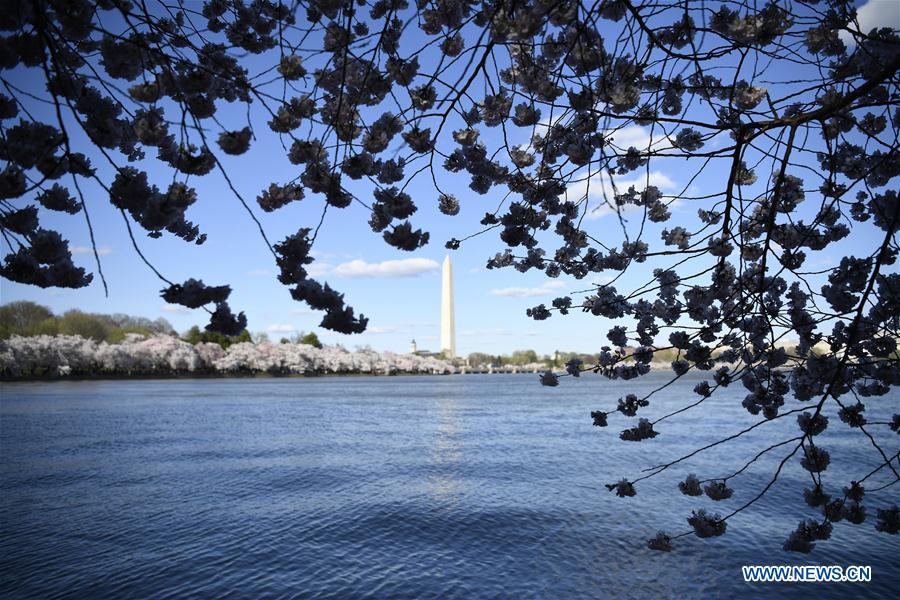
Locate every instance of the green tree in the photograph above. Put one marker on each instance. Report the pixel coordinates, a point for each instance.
(195, 335)
(477, 359)
(22, 318)
(523, 357)
(76, 322)
(310, 339)
(131, 324)
(49, 326)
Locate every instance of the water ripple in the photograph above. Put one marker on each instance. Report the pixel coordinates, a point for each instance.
(453, 487)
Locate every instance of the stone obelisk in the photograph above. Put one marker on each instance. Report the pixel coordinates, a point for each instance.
(448, 325)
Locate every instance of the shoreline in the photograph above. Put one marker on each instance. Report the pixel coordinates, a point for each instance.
(201, 375)
(198, 375)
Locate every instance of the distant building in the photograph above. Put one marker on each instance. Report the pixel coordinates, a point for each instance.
(414, 349)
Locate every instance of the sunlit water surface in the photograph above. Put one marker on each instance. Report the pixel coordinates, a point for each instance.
(399, 487)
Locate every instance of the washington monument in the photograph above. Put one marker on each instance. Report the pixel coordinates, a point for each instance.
(448, 325)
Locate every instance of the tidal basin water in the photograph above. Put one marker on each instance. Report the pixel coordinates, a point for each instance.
(477, 486)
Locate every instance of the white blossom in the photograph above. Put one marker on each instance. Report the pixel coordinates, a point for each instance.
(22, 357)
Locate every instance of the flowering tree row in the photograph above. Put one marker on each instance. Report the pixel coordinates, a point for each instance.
(51, 356)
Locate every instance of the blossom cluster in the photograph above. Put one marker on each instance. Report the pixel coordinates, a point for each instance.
(62, 355)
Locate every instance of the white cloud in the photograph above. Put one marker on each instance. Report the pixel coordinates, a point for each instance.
(497, 332)
(383, 329)
(872, 14)
(409, 267)
(520, 292)
(319, 269)
(542, 126)
(634, 135)
(642, 138)
(175, 309)
(598, 185)
(400, 328)
(657, 178)
(281, 328)
(598, 189)
(624, 137)
(484, 332)
(523, 292)
(419, 325)
(102, 250)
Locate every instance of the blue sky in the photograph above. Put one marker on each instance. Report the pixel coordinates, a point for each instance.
(398, 291)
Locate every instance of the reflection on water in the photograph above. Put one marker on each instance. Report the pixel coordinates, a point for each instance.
(397, 487)
(444, 483)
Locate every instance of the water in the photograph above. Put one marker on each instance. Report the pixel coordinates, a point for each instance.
(396, 487)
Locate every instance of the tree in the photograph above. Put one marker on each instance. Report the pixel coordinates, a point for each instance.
(310, 339)
(523, 357)
(780, 120)
(195, 336)
(480, 359)
(76, 322)
(23, 357)
(30, 319)
(22, 318)
(132, 324)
